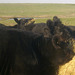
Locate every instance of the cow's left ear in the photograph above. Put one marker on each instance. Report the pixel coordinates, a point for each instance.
(16, 20)
(49, 23)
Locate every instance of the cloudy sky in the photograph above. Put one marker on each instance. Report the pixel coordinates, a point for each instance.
(37, 1)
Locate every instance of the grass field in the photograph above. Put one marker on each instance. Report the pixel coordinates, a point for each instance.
(45, 11)
(37, 10)
(66, 12)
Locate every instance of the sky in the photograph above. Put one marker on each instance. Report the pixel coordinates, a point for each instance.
(37, 1)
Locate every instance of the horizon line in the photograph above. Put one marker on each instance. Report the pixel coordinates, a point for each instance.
(41, 2)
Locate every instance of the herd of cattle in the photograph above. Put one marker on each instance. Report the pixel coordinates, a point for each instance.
(35, 48)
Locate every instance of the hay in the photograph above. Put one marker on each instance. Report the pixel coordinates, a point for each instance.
(68, 68)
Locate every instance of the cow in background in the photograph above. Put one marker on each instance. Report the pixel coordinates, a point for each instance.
(23, 22)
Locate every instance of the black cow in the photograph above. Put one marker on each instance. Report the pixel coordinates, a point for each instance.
(23, 22)
(26, 53)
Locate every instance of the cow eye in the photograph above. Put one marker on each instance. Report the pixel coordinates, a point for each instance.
(57, 42)
(67, 42)
(62, 44)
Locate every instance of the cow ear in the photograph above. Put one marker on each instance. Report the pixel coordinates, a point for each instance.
(16, 20)
(55, 41)
(49, 23)
(50, 26)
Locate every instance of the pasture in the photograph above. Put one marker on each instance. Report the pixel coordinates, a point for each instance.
(41, 12)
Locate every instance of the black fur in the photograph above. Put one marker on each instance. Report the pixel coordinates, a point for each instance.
(26, 53)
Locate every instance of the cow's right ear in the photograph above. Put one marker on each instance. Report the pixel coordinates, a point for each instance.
(16, 20)
(56, 41)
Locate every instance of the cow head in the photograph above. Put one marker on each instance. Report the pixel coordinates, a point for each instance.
(23, 22)
(63, 45)
(59, 49)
